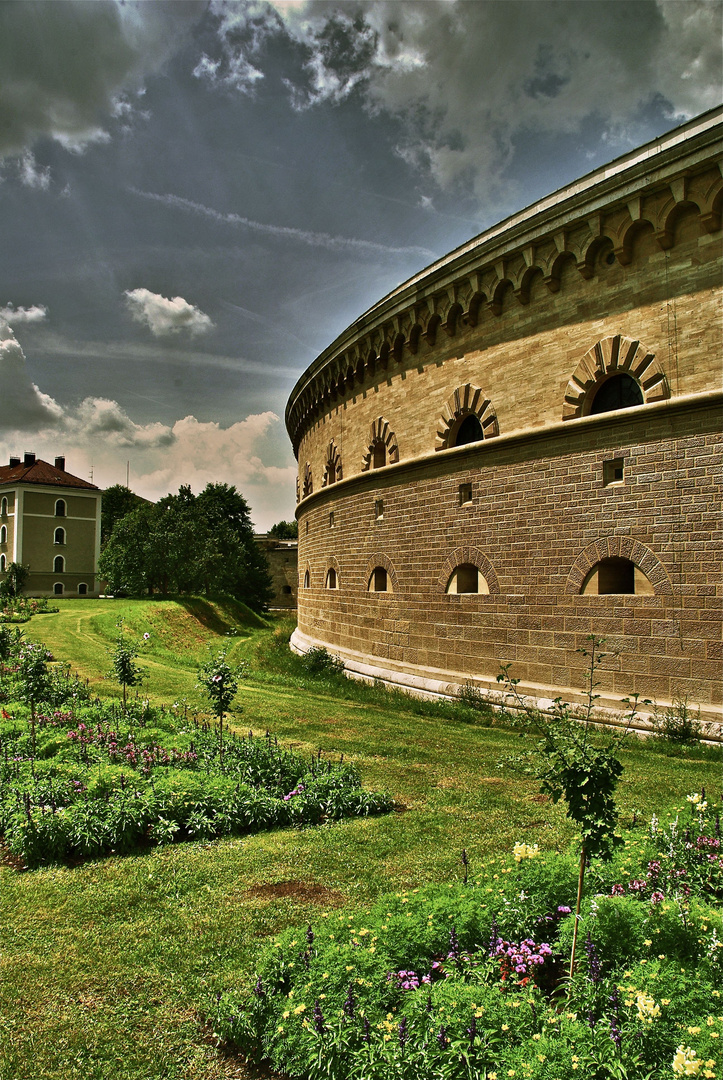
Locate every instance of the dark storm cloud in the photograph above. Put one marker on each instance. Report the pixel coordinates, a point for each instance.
(64, 64)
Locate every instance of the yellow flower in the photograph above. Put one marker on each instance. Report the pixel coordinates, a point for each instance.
(286, 1014)
(505, 1027)
(536, 1037)
(299, 1009)
(686, 1062)
(325, 975)
(647, 1009)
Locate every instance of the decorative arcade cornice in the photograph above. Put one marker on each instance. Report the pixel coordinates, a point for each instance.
(597, 217)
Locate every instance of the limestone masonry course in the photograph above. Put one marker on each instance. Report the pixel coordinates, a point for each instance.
(520, 447)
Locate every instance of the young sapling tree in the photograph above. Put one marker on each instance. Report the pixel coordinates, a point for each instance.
(126, 671)
(577, 766)
(35, 680)
(219, 681)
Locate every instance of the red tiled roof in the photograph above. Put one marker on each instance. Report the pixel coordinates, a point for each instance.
(41, 472)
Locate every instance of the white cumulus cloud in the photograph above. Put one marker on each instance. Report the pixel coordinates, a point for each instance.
(22, 404)
(165, 316)
(12, 315)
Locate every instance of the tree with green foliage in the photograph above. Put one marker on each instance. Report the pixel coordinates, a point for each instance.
(189, 544)
(118, 501)
(285, 530)
(15, 578)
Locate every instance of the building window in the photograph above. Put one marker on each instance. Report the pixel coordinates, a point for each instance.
(58, 588)
(59, 536)
(60, 508)
(3, 565)
(467, 578)
(465, 494)
(469, 431)
(378, 509)
(307, 580)
(4, 508)
(58, 564)
(620, 391)
(331, 519)
(617, 576)
(379, 580)
(332, 581)
(379, 455)
(613, 471)
(82, 589)
(3, 534)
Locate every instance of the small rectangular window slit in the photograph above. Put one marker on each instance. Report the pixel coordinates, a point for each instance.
(331, 519)
(465, 494)
(378, 510)
(613, 472)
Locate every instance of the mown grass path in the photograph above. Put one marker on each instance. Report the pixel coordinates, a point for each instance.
(104, 967)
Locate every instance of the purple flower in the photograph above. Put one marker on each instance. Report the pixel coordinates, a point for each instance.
(442, 1037)
(319, 1025)
(403, 1033)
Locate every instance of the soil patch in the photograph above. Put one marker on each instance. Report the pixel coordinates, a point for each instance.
(298, 890)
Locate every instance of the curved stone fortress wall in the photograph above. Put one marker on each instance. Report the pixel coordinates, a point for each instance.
(519, 447)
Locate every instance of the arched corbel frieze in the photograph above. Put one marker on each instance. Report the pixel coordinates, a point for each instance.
(380, 433)
(607, 356)
(469, 555)
(465, 401)
(332, 468)
(618, 547)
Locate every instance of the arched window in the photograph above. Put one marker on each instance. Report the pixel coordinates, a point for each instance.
(3, 534)
(58, 588)
(378, 580)
(379, 455)
(616, 576)
(307, 580)
(60, 508)
(3, 564)
(467, 578)
(332, 581)
(4, 508)
(58, 564)
(59, 536)
(469, 431)
(620, 391)
(82, 589)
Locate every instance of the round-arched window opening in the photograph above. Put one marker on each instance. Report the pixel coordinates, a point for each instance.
(3, 564)
(307, 580)
(620, 391)
(60, 508)
(3, 534)
(469, 431)
(4, 508)
(332, 582)
(58, 564)
(466, 578)
(82, 589)
(617, 576)
(379, 456)
(379, 580)
(58, 588)
(59, 536)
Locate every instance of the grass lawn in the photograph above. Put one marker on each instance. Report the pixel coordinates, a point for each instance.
(105, 966)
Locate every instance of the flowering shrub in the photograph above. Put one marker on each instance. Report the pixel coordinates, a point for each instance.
(466, 981)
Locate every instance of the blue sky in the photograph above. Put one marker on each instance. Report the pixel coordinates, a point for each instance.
(196, 198)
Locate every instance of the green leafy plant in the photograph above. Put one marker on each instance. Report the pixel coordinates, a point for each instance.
(577, 766)
(219, 681)
(126, 671)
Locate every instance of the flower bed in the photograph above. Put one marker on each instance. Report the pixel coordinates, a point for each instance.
(81, 779)
(468, 981)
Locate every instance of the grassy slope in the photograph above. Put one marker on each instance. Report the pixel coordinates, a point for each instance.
(103, 967)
